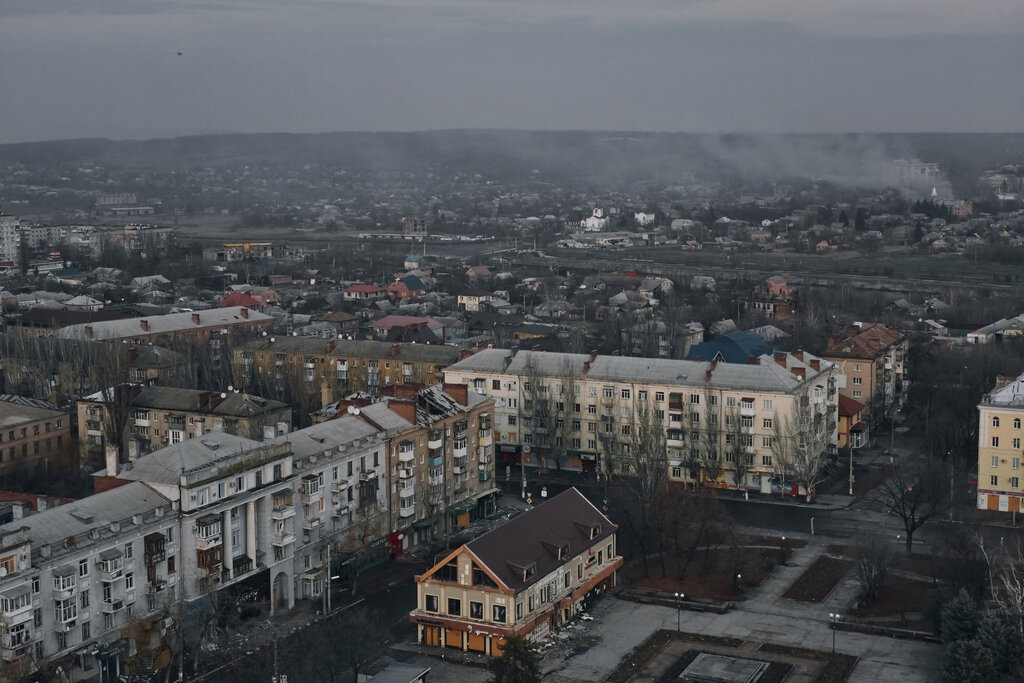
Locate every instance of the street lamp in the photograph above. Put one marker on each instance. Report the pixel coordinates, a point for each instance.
(738, 577)
(679, 608)
(835, 618)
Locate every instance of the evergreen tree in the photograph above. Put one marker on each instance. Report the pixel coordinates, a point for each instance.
(518, 663)
(959, 619)
(967, 661)
(1003, 643)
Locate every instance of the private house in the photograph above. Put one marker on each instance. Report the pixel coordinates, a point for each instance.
(406, 287)
(364, 293)
(528, 577)
(1006, 329)
(853, 431)
(1000, 422)
(774, 298)
(409, 328)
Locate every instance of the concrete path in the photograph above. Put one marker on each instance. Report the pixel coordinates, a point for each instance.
(765, 616)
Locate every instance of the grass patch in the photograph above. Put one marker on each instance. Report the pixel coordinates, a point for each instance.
(819, 580)
(777, 672)
(711, 575)
(646, 650)
(901, 596)
(837, 666)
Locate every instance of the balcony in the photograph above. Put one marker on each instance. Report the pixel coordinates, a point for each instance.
(111, 606)
(485, 437)
(339, 486)
(486, 459)
(407, 492)
(210, 571)
(156, 587)
(407, 511)
(435, 442)
(283, 538)
(462, 451)
(406, 473)
(12, 652)
(675, 443)
(747, 409)
(436, 462)
(242, 564)
(311, 524)
(406, 455)
(309, 366)
(485, 476)
(142, 422)
(282, 512)
(367, 473)
(457, 470)
(64, 626)
(341, 509)
(207, 542)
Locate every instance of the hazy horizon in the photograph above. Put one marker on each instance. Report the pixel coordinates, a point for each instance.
(112, 68)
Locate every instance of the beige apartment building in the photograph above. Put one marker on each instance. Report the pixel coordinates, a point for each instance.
(873, 359)
(719, 419)
(1000, 421)
(527, 578)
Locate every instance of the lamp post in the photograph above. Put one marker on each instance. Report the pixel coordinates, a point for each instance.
(679, 609)
(835, 618)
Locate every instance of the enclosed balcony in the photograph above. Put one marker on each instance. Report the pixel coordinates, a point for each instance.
(208, 529)
(111, 606)
(111, 565)
(406, 453)
(16, 605)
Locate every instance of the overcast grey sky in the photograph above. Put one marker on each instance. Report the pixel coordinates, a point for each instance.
(75, 68)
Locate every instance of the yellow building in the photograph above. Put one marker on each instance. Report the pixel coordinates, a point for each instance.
(1000, 418)
(526, 578)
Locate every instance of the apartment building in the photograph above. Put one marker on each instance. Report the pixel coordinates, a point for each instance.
(874, 359)
(74, 576)
(715, 415)
(10, 241)
(527, 577)
(339, 367)
(440, 460)
(227, 488)
(1000, 419)
(35, 439)
(201, 327)
(166, 415)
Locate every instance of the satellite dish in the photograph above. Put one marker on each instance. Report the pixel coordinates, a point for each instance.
(223, 395)
(305, 538)
(271, 339)
(230, 388)
(3, 572)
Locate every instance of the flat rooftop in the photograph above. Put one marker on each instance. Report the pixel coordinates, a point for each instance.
(709, 668)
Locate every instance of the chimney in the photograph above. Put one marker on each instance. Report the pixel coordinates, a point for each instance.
(780, 358)
(593, 355)
(800, 372)
(202, 400)
(195, 318)
(799, 355)
(711, 368)
(752, 360)
(144, 324)
(326, 395)
(816, 365)
(395, 349)
(243, 311)
(586, 366)
(407, 409)
(460, 392)
(88, 331)
(330, 346)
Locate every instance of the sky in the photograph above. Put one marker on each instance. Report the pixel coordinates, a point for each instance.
(112, 68)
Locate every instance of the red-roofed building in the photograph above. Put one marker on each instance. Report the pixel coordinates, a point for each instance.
(852, 430)
(873, 359)
(364, 293)
(240, 299)
(409, 328)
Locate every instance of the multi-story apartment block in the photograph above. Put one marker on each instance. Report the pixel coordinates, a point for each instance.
(35, 438)
(74, 576)
(227, 488)
(874, 359)
(166, 415)
(335, 368)
(202, 327)
(719, 418)
(1000, 421)
(524, 578)
(10, 241)
(440, 471)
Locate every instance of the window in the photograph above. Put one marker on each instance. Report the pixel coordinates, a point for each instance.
(513, 403)
(767, 423)
(532, 603)
(591, 409)
(1016, 444)
(856, 367)
(730, 401)
(454, 606)
(496, 384)
(127, 551)
(86, 630)
(766, 460)
(108, 621)
(659, 396)
(856, 393)
(170, 565)
(625, 393)
(995, 461)
(626, 429)
(1016, 423)
(476, 610)
(995, 442)
(129, 581)
(695, 399)
(511, 420)
(995, 421)
(83, 567)
(1015, 482)
(608, 392)
(767, 403)
(35, 585)
(994, 480)
(767, 441)
(1016, 463)
(519, 611)
(568, 579)
(641, 395)
(677, 472)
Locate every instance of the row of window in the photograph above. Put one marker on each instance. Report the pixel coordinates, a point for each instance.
(1016, 422)
(1014, 443)
(23, 433)
(1014, 481)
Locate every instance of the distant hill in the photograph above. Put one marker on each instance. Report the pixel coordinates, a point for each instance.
(591, 158)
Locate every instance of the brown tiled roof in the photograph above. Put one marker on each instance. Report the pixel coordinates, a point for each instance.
(531, 538)
(865, 342)
(848, 407)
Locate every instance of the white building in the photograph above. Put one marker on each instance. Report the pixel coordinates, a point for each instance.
(10, 240)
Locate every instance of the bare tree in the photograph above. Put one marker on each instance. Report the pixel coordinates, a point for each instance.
(1007, 584)
(735, 449)
(915, 497)
(712, 453)
(873, 556)
(108, 372)
(800, 442)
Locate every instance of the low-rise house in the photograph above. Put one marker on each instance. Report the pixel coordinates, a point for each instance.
(526, 578)
(406, 287)
(364, 293)
(408, 328)
(853, 431)
(1005, 329)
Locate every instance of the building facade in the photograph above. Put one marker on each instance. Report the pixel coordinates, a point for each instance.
(1000, 420)
(198, 327)
(874, 359)
(526, 578)
(575, 411)
(35, 439)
